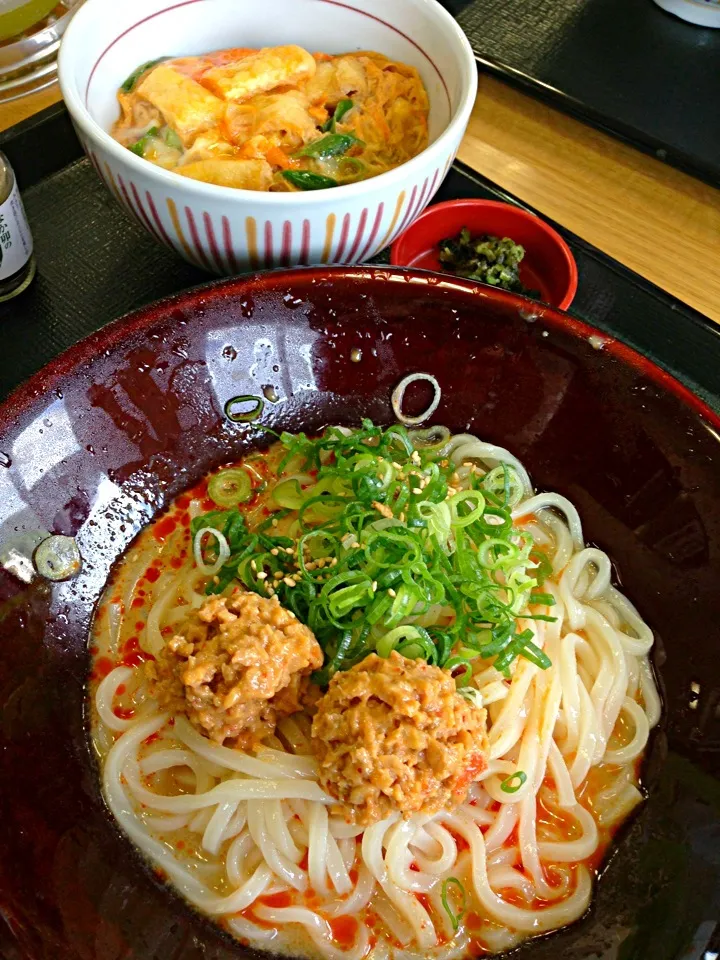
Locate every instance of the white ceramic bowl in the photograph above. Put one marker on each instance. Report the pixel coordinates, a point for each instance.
(704, 13)
(226, 230)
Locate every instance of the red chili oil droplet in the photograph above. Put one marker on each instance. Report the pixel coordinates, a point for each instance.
(103, 666)
(175, 563)
(424, 899)
(138, 602)
(415, 867)
(344, 931)
(93, 650)
(152, 574)
(140, 625)
(180, 845)
(121, 689)
(164, 528)
(135, 659)
(152, 738)
(353, 874)
(283, 899)
(124, 713)
(304, 862)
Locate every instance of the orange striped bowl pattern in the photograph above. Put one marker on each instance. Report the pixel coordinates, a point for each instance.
(227, 231)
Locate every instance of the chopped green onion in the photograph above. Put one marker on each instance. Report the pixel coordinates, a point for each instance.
(132, 80)
(389, 642)
(343, 108)
(373, 545)
(244, 416)
(545, 599)
(288, 494)
(349, 167)
(513, 783)
(304, 180)
(172, 139)
(455, 918)
(230, 487)
(331, 145)
(139, 148)
(467, 671)
(472, 695)
(468, 497)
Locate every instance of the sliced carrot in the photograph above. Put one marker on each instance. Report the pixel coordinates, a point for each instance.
(278, 158)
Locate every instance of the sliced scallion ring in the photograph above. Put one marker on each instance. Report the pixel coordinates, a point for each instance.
(58, 558)
(230, 487)
(244, 416)
(398, 396)
(513, 783)
(472, 695)
(455, 918)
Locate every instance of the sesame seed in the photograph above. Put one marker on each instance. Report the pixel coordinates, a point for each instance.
(374, 586)
(320, 563)
(289, 551)
(415, 456)
(356, 546)
(262, 575)
(274, 522)
(289, 581)
(396, 465)
(401, 518)
(274, 551)
(278, 575)
(253, 565)
(333, 561)
(391, 593)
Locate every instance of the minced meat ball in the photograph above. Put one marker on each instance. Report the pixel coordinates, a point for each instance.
(236, 667)
(395, 735)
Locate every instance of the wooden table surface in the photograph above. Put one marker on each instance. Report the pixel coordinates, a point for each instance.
(659, 222)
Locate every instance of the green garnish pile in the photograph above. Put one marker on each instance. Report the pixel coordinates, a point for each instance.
(486, 259)
(385, 547)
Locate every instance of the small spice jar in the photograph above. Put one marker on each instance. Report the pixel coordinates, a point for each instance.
(17, 263)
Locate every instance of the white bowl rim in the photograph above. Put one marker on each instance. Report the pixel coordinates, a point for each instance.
(80, 113)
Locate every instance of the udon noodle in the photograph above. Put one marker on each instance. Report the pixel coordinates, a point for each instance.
(253, 838)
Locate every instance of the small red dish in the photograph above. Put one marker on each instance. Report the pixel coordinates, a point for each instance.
(549, 265)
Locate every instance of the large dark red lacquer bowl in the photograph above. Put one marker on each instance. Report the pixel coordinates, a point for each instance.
(101, 439)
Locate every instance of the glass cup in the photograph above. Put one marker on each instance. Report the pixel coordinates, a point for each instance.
(17, 16)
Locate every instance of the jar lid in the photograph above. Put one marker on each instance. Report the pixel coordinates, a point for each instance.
(28, 63)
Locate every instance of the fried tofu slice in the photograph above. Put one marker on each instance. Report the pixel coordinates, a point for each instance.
(240, 174)
(260, 72)
(186, 105)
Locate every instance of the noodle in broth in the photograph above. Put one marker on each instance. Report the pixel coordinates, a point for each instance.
(253, 838)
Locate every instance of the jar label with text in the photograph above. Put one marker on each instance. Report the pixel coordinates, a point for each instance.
(16, 245)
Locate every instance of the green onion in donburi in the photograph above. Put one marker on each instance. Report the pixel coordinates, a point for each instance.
(374, 541)
(455, 917)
